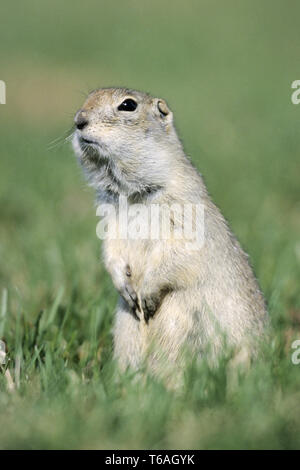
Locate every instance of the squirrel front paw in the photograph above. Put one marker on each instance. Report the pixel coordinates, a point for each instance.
(130, 296)
(150, 305)
(128, 293)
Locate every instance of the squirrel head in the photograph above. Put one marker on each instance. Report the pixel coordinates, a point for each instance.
(129, 131)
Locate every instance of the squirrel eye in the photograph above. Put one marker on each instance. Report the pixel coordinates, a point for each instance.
(128, 105)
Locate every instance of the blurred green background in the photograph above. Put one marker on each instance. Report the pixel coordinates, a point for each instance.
(226, 70)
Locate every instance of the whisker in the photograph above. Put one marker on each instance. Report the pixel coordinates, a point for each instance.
(61, 140)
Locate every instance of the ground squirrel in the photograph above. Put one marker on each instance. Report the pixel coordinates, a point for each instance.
(172, 297)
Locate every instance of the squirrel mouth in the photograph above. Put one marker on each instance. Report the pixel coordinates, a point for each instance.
(87, 141)
(92, 150)
(89, 145)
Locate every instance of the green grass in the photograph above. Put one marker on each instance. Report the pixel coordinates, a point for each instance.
(226, 69)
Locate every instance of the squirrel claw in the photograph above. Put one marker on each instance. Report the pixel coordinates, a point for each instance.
(149, 307)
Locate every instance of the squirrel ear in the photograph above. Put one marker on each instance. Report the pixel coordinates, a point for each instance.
(163, 109)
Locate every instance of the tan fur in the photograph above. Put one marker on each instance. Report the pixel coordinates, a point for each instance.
(200, 296)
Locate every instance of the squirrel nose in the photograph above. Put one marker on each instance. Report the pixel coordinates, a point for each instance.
(80, 120)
